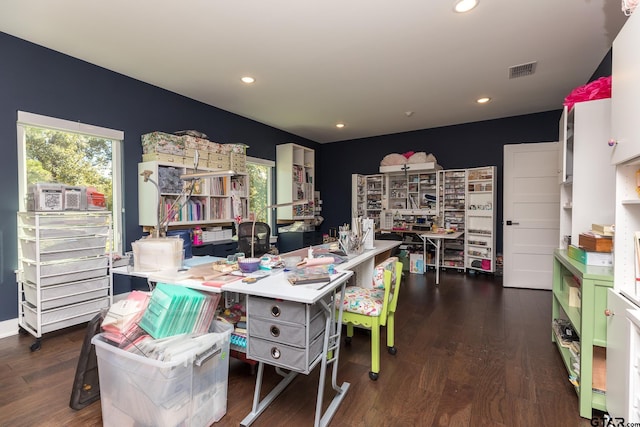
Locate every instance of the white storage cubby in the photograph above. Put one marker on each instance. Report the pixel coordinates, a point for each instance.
(64, 274)
(480, 236)
(411, 189)
(213, 200)
(295, 180)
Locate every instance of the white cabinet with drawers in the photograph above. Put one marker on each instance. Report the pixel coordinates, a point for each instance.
(64, 274)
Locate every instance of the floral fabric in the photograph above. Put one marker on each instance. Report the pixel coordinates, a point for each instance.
(378, 272)
(369, 301)
(363, 301)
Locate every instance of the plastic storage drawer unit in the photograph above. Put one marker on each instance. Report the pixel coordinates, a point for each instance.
(190, 391)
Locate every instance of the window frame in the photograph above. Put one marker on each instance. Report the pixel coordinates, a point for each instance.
(26, 119)
(270, 186)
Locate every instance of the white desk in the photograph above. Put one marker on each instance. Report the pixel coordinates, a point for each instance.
(278, 287)
(435, 239)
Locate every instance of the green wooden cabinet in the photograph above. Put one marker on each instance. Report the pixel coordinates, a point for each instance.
(588, 319)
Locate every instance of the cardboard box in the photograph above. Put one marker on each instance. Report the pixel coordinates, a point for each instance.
(601, 259)
(572, 284)
(416, 263)
(595, 242)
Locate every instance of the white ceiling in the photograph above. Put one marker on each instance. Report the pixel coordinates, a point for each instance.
(362, 62)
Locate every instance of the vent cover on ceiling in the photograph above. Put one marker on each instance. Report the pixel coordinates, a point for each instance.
(522, 70)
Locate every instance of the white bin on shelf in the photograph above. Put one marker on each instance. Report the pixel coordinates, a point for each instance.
(58, 249)
(61, 317)
(136, 390)
(54, 273)
(67, 293)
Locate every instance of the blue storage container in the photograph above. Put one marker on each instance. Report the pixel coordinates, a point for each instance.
(185, 235)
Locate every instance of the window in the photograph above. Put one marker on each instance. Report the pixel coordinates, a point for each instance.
(70, 153)
(260, 188)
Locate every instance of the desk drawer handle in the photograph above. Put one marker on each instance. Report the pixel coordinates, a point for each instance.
(275, 331)
(275, 353)
(275, 311)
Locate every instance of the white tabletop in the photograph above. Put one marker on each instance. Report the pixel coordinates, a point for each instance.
(277, 286)
(380, 246)
(436, 235)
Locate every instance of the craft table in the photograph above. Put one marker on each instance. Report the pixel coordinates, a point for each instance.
(277, 287)
(435, 239)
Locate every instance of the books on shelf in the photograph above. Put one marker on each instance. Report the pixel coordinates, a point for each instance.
(603, 229)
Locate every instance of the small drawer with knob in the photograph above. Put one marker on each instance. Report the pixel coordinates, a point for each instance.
(285, 332)
(284, 311)
(283, 355)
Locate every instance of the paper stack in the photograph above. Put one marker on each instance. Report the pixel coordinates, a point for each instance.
(175, 310)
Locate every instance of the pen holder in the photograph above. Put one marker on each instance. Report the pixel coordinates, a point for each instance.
(350, 243)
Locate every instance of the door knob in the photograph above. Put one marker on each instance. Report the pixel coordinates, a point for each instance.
(608, 312)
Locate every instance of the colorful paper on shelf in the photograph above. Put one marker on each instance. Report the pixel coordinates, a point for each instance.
(416, 263)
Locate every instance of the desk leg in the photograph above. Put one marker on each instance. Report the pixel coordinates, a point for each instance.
(260, 406)
(424, 253)
(437, 245)
(333, 332)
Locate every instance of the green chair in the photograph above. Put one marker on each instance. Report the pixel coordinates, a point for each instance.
(373, 308)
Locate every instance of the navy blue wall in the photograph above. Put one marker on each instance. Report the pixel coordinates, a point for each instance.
(41, 81)
(455, 147)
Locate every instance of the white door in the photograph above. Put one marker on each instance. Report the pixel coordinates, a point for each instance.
(531, 214)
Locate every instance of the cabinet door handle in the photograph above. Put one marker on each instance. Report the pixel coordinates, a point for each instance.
(608, 313)
(509, 222)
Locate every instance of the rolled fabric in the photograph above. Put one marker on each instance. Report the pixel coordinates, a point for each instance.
(320, 261)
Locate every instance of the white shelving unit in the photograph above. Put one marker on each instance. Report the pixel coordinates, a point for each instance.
(586, 175)
(64, 273)
(295, 180)
(480, 236)
(358, 195)
(452, 204)
(623, 304)
(367, 196)
(213, 200)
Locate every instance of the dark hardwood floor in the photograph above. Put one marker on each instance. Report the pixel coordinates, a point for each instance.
(470, 353)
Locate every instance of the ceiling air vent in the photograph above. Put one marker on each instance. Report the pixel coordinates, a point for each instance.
(522, 70)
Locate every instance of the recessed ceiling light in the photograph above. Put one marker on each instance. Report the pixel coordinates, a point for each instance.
(340, 125)
(248, 80)
(465, 5)
(483, 100)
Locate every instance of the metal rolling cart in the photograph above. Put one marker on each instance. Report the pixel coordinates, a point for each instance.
(64, 269)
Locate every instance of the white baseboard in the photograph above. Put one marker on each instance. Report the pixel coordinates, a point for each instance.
(9, 328)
